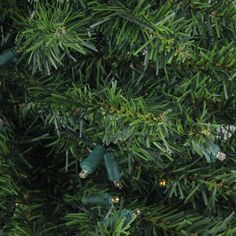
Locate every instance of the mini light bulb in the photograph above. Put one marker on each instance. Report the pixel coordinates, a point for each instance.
(83, 174)
(221, 156)
(137, 211)
(115, 199)
(163, 183)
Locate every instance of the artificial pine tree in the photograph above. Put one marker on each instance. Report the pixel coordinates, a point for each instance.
(146, 86)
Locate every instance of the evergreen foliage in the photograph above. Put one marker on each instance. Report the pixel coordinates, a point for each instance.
(152, 82)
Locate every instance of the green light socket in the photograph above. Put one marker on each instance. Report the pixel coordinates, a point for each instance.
(8, 56)
(112, 168)
(92, 161)
(213, 152)
(103, 199)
